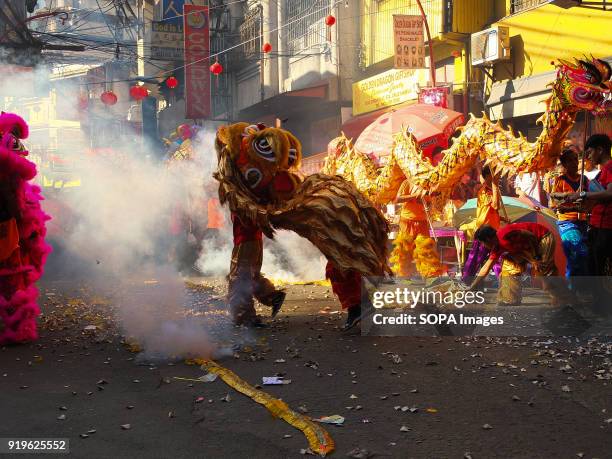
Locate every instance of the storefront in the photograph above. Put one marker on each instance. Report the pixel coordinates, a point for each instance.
(376, 95)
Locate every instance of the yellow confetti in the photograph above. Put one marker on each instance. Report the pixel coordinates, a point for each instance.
(320, 441)
(195, 361)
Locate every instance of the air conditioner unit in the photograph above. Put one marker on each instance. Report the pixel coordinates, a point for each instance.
(490, 45)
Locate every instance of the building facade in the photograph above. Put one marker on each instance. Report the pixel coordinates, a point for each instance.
(382, 87)
(540, 33)
(305, 80)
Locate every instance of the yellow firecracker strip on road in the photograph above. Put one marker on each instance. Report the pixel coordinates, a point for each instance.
(318, 438)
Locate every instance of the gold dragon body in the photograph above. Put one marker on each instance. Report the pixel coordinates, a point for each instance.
(582, 85)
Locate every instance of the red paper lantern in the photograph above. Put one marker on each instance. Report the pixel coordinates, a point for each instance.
(108, 98)
(330, 20)
(266, 48)
(216, 68)
(138, 92)
(172, 82)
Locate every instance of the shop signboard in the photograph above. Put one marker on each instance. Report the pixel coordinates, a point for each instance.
(387, 89)
(409, 45)
(197, 62)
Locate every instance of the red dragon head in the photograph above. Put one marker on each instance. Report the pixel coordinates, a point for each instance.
(585, 85)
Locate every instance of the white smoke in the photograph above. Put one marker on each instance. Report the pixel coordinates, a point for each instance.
(116, 229)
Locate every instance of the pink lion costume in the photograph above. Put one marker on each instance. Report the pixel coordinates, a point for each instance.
(23, 250)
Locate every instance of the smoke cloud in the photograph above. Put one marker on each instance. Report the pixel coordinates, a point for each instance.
(130, 218)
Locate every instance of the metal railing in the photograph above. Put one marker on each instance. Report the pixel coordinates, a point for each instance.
(306, 23)
(250, 32)
(516, 6)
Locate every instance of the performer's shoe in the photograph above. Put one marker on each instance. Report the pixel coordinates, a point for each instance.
(256, 322)
(251, 322)
(502, 304)
(354, 317)
(277, 302)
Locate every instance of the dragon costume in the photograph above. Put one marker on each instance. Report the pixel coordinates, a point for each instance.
(579, 85)
(23, 250)
(259, 181)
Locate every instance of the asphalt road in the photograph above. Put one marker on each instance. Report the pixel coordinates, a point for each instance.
(421, 397)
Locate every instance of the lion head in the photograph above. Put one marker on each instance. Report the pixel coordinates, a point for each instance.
(13, 129)
(267, 158)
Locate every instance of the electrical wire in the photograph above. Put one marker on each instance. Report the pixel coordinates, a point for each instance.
(195, 12)
(260, 36)
(171, 71)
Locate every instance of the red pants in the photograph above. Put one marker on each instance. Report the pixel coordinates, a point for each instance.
(245, 281)
(346, 285)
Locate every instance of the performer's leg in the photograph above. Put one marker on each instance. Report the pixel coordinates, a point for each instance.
(11, 262)
(476, 258)
(240, 282)
(346, 285)
(510, 289)
(425, 254)
(263, 289)
(574, 247)
(553, 283)
(601, 254)
(402, 256)
(574, 240)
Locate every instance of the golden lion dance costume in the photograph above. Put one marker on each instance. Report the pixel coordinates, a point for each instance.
(259, 181)
(581, 85)
(23, 250)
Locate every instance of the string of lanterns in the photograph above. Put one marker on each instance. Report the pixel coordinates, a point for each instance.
(139, 93)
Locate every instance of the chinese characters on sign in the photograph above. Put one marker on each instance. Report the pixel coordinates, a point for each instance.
(197, 57)
(408, 41)
(167, 41)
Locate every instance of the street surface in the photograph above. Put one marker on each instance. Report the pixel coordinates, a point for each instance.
(407, 397)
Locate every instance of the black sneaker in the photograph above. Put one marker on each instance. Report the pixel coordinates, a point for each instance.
(258, 323)
(354, 317)
(277, 302)
(250, 322)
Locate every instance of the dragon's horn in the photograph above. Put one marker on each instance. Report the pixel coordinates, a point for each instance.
(603, 67)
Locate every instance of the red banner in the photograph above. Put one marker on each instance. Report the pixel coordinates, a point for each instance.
(434, 96)
(197, 62)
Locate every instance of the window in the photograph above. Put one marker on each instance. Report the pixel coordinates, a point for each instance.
(250, 32)
(305, 23)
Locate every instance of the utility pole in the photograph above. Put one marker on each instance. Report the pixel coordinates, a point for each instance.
(432, 61)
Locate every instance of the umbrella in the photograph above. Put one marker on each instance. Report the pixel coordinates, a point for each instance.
(432, 127)
(519, 210)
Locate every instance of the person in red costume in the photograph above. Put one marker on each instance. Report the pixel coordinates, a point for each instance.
(264, 158)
